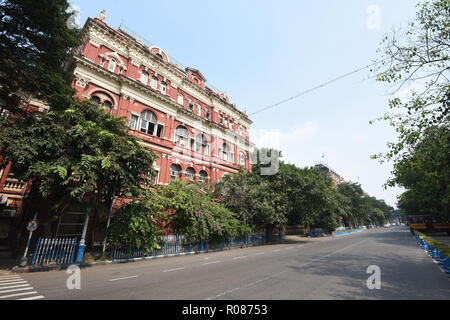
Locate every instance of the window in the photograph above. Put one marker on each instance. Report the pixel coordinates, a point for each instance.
(163, 88)
(203, 176)
(207, 114)
(181, 99)
(242, 159)
(112, 65)
(190, 106)
(154, 83)
(182, 137)
(148, 122)
(108, 106)
(225, 153)
(134, 122)
(95, 99)
(144, 77)
(201, 144)
(175, 172)
(190, 173)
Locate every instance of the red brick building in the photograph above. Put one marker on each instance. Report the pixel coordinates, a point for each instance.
(197, 133)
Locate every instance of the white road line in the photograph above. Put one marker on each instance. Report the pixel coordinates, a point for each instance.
(14, 290)
(8, 277)
(176, 269)
(278, 250)
(33, 298)
(290, 248)
(243, 257)
(207, 264)
(18, 295)
(123, 278)
(16, 286)
(260, 253)
(12, 282)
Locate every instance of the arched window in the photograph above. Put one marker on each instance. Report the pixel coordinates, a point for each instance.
(108, 106)
(148, 122)
(182, 136)
(95, 99)
(163, 87)
(201, 144)
(144, 77)
(242, 158)
(154, 83)
(190, 173)
(112, 65)
(203, 176)
(175, 171)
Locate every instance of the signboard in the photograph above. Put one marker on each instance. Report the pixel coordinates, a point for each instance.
(32, 225)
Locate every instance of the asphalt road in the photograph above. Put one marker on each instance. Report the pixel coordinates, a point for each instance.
(325, 268)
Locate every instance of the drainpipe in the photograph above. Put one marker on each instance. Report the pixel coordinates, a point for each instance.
(82, 246)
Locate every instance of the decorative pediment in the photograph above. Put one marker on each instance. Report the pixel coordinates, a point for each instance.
(116, 56)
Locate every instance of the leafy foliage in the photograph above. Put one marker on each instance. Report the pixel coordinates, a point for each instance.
(418, 61)
(35, 45)
(133, 226)
(192, 212)
(79, 149)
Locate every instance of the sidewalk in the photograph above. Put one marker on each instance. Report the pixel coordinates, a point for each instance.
(6, 262)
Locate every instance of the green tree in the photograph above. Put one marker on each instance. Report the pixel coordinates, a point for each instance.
(35, 46)
(425, 173)
(133, 226)
(250, 197)
(192, 212)
(418, 61)
(79, 151)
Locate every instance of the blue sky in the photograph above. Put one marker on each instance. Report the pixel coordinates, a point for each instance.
(260, 52)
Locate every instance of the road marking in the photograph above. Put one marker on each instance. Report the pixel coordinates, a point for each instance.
(16, 286)
(290, 248)
(33, 298)
(242, 257)
(14, 290)
(12, 282)
(18, 295)
(277, 250)
(208, 263)
(176, 269)
(8, 277)
(286, 271)
(123, 278)
(260, 253)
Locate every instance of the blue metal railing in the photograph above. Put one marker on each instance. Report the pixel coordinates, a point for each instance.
(175, 245)
(55, 251)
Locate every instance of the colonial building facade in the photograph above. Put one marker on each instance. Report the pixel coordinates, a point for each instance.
(196, 132)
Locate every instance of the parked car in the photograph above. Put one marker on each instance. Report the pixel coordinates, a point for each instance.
(387, 225)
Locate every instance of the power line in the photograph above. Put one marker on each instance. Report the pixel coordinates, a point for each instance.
(315, 88)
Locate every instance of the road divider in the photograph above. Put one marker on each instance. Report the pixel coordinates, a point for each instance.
(438, 251)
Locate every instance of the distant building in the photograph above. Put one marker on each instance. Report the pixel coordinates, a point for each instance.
(336, 179)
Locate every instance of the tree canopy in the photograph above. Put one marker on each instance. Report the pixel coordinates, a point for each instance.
(35, 46)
